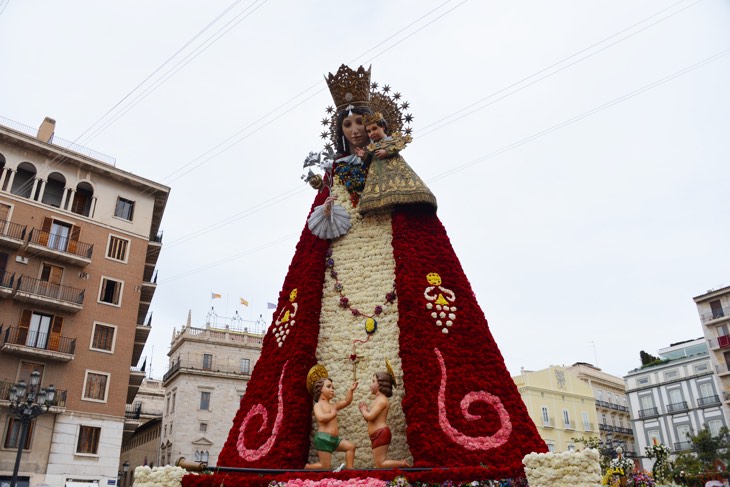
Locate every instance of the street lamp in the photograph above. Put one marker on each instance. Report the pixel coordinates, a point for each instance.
(125, 469)
(26, 403)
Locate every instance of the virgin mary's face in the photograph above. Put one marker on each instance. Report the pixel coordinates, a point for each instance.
(354, 131)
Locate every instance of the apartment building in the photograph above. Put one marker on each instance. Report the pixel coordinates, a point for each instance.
(714, 310)
(79, 242)
(209, 369)
(614, 420)
(143, 428)
(675, 397)
(560, 404)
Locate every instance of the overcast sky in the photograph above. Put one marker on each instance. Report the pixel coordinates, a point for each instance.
(578, 149)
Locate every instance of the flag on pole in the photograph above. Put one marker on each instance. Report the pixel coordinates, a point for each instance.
(215, 296)
(244, 302)
(270, 306)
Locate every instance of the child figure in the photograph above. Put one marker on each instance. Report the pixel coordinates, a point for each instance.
(326, 439)
(390, 180)
(376, 416)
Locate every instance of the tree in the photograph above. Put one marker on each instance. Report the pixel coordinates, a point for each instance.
(710, 448)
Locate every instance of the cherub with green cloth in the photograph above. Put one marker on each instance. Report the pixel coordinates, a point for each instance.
(326, 439)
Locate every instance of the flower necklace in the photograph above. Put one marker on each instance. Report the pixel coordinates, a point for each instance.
(352, 176)
(370, 324)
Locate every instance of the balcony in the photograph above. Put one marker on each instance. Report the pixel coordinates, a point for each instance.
(140, 339)
(588, 426)
(147, 291)
(57, 406)
(609, 405)
(704, 402)
(136, 376)
(569, 425)
(7, 279)
(722, 341)
(53, 246)
(677, 407)
(715, 314)
(682, 446)
(11, 234)
(648, 412)
(23, 341)
(214, 369)
(605, 427)
(49, 295)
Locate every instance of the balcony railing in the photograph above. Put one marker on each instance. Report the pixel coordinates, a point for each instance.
(46, 289)
(40, 341)
(708, 401)
(61, 244)
(12, 230)
(648, 412)
(588, 426)
(610, 405)
(715, 314)
(677, 406)
(59, 401)
(722, 341)
(7, 279)
(683, 446)
(548, 423)
(211, 367)
(135, 411)
(569, 425)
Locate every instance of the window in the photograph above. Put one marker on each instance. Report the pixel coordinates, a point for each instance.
(167, 408)
(12, 434)
(706, 390)
(203, 427)
(551, 447)
(586, 421)
(170, 427)
(714, 425)
(672, 374)
(111, 291)
(642, 381)
(124, 209)
(716, 308)
(95, 386)
(174, 395)
(117, 248)
(566, 418)
(164, 434)
(246, 366)
(88, 440)
(653, 436)
(545, 415)
(700, 368)
(59, 235)
(205, 400)
(204, 455)
(207, 361)
(103, 337)
(603, 418)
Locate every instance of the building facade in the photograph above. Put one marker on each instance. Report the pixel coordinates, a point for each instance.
(714, 310)
(560, 404)
(143, 428)
(675, 397)
(209, 369)
(612, 410)
(78, 249)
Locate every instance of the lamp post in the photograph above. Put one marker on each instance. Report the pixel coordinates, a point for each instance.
(26, 403)
(125, 469)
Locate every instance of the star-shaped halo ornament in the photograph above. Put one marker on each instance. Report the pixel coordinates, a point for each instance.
(330, 109)
(374, 85)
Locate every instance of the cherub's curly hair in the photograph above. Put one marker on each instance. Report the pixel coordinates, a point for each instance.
(385, 383)
(317, 388)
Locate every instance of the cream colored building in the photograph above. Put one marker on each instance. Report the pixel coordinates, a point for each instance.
(561, 405)
(79, 242)
(612, 407)
(209, 369)
(714, 310)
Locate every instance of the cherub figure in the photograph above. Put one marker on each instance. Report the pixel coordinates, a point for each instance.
(376, 415)
(326, 439)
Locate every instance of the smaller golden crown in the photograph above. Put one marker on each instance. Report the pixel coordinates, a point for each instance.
(349, 87)
(368, 119)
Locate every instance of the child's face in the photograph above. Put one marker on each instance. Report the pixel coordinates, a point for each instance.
(374, 389)
(328, 390)
(375, 132)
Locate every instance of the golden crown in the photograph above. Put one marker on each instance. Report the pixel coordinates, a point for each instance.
(349, 87)
(368, 119)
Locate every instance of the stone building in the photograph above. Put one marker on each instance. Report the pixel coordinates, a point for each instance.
(561, 405)
(674, 397)
(612, 409)
(208, 372)
(79, 242)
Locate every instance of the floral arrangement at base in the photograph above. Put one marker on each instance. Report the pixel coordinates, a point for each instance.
(167, 476)
(574, 469)
(452, 477)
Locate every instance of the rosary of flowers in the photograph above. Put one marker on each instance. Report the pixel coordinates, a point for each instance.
(370, 324)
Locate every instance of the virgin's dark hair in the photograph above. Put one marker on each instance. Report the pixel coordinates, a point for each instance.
(341, 144)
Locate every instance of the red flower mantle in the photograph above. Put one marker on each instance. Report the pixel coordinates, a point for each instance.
(472, 369)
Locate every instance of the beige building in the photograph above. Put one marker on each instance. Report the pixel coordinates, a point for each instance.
(79, 241)
(561, 405)
(612, 409)
(209, 369)
(714, 310)
(141, 446)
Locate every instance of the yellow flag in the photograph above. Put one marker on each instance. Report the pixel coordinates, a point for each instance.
(215, 296)
(244, 302)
